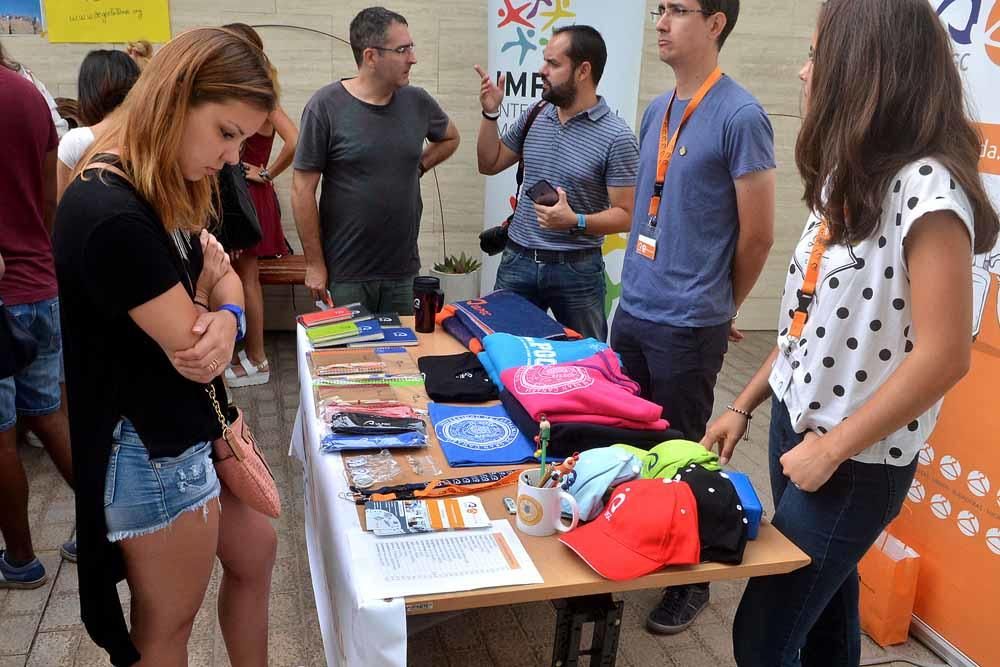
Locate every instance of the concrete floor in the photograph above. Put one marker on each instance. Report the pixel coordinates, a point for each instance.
(42, 627)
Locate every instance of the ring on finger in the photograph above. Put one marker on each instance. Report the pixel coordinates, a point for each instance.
(213, 365)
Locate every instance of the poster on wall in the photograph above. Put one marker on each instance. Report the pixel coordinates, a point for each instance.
(21, 17)
(95, 21)
(518, 33)
(952, 513)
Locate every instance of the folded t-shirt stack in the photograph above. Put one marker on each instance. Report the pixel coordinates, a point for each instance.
(456, 378)
(592, 391)
(501, 311)
(503, 351)
(479, 436)
(569, 437)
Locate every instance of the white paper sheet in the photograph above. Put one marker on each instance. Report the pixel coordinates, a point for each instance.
(442, 562)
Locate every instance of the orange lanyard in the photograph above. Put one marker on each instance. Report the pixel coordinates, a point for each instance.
(666, 149)
(808, 290)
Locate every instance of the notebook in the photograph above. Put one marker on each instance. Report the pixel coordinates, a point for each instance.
(351, 332)
(352, 312)
(392, 336)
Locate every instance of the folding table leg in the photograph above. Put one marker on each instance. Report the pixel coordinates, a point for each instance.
(606, 615)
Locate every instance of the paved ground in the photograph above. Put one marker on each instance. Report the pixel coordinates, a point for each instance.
(42, 627)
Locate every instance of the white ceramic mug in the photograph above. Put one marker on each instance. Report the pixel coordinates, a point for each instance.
(539, 511)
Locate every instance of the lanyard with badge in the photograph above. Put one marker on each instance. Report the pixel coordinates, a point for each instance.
(781, 372)
(646, 244)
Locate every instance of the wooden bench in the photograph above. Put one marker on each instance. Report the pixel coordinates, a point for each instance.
(287, 270)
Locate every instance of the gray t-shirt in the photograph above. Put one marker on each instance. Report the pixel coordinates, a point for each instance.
(370, 203)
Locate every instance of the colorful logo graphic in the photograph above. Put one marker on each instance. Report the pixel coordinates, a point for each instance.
(926, 455)
(477, 432)
(917, 493)
(524, 22)
(551, 380)
(968, 523)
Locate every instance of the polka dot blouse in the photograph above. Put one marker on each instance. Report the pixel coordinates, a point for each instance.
(859, 328)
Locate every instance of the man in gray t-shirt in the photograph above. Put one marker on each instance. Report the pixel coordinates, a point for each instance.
(364, 137)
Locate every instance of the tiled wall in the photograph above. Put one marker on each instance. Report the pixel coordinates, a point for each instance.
(764, 53)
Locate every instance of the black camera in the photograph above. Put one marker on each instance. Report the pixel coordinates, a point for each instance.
(494, 240)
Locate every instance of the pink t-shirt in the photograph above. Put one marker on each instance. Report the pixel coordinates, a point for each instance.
(591, 391)
(26, 136)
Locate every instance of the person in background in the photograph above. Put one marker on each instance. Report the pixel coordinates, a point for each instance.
(105, 78)
(586, 152)
(693, 254)
(69, 110)
(250, 367)
(863, 358)
(152, 311)
(30, 293)
(62, 127)
(364, 138)
(141, 51)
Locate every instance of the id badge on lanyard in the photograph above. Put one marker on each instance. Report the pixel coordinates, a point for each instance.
(645, 245)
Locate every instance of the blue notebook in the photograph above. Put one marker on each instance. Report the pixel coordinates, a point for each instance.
(479, 436)
(393, 336)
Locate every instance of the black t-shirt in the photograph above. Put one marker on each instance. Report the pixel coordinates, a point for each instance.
(112, 254)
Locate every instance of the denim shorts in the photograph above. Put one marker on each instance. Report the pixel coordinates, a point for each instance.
(34, 392)
(142, 496)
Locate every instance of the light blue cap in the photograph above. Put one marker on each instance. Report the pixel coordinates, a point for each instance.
(595, 472)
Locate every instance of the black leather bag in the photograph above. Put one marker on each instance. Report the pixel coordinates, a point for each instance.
(493, 240)
(238, 227)
(17, 346)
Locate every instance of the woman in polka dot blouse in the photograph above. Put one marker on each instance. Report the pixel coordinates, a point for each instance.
(890, 173)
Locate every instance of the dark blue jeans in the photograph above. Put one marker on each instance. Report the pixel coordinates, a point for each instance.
(809, 617)
(676, 367)
(573, 290)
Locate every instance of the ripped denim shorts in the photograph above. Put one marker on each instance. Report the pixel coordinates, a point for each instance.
(142, 496)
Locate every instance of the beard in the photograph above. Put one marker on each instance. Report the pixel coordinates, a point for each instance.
(562, 95)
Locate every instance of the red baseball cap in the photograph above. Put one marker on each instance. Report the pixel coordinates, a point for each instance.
(648, 523)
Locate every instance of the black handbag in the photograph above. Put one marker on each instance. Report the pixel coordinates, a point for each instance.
(238, 227)
(493, 240)
(18, 347)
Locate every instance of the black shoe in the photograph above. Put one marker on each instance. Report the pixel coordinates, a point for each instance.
(678, 609)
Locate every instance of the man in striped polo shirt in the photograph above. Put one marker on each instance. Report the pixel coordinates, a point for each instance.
(589, 155)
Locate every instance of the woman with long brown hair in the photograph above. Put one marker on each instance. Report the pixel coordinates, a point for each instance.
(875, 321)
(151, 311)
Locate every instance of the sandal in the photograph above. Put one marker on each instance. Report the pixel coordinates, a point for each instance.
(253, 374)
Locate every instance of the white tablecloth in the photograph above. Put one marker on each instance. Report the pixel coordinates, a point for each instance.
(355, 632)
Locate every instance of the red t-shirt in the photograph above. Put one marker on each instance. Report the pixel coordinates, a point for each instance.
(26, 136)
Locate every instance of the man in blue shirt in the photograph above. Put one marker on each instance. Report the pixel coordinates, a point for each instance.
(589, 155)
(693, 257)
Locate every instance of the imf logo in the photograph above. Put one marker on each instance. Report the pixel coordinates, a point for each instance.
(960, 16)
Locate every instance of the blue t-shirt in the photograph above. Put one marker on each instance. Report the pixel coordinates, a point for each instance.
(690, 282)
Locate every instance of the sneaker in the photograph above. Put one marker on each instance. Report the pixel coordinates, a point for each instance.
(31, 575)
(68, 551)
(678, 609)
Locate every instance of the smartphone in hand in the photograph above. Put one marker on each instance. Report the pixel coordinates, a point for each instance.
(543, 193)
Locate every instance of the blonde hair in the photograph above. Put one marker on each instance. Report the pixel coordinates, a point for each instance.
(141, 51)
(200, 66)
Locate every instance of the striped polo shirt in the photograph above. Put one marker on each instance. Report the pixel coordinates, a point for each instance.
(594, 150)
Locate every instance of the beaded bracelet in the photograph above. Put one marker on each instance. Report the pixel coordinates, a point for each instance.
(746, 433)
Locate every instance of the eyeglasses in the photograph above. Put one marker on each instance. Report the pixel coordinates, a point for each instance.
(675, 11)
(401, 50)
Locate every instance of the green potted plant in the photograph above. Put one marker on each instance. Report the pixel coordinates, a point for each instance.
(459, 277)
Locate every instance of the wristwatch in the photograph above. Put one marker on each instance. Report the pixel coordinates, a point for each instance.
(581, 225)
(264, 174)
(241, 319)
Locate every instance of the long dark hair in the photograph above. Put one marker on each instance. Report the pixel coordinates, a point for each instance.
(105, 78)
(885, 92)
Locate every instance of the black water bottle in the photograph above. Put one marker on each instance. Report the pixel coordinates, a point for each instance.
(428, 299)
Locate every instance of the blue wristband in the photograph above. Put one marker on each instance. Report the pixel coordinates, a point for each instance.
(581, 223)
